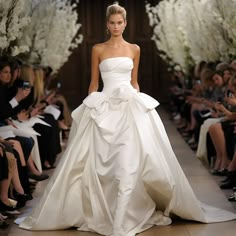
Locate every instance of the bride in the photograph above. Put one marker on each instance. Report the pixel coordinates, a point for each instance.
(119, 175)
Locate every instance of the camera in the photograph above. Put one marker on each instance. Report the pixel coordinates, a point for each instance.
(198, 81)
(26, 85)
(23, 84)
(229, 93)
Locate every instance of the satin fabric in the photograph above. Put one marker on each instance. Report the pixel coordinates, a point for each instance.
(119, 175)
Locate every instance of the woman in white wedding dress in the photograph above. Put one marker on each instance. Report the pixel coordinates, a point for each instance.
(119, 175)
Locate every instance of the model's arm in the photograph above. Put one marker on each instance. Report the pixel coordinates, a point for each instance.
(93, 87)
(134, 75)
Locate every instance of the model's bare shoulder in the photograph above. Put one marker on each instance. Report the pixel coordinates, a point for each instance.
(98, 49)
(98, 45)
(135, 48)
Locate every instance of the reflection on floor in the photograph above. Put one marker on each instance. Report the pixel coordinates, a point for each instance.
(204, 184)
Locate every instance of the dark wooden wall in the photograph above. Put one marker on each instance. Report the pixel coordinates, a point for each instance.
(75, 74)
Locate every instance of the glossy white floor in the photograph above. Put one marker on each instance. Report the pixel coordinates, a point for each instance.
(204, 184)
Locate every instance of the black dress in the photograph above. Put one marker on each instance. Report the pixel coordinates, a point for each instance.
(49, 141)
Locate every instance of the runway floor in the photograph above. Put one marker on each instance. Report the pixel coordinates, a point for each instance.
(205, 186)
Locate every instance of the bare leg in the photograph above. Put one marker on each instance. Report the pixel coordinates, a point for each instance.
(193, 120)
(13, 173)
(212, 131)
(192, 124)
(62, 125)
(232, 165)
(16, 181)
(4, 187)
(18, 148)
(66, 109)
(31, 166)
(35, 173)
(218, 139)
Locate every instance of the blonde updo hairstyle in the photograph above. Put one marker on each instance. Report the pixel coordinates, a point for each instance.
(115, 8)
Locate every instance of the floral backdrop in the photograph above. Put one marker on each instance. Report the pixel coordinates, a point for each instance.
(41, 32)
(187, 32)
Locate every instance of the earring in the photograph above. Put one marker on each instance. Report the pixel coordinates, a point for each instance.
(107, 30)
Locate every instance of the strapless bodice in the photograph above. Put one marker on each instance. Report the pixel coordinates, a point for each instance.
(115, 72)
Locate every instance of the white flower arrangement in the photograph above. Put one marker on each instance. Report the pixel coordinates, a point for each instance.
(168, 36)
(187, 32)
(52, 33)
(13, 19)
(224, 13)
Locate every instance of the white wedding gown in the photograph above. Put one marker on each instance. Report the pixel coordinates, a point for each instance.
(119, 175)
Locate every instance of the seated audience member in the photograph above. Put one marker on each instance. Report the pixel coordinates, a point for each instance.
(52, 86)
(51, 98)
(233, 65)
(222, 133)
(230, 180)
(49, 134)
(9, 106)
(10, 176)
(205, 117)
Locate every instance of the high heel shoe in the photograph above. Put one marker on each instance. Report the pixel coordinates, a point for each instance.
(4, 207)
(3, 217)
(223, 172)
(232, 197)
(65, 133)
(225, 180)
(3, 224)
(38, 177)
(22, 197)
(230, 175)
(19, 198)
(214, 171)
(65, 129)
(228, 185)
(46, 167)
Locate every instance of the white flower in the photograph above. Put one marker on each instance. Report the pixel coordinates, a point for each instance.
(18, 50)
(13, 18)
(52, 33)
(177, 68)
(194, 30)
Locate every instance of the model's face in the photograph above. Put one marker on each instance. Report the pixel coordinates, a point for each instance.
(116, 24)
(5, 75)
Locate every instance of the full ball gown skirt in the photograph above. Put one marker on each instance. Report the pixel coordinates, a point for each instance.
(119, 175)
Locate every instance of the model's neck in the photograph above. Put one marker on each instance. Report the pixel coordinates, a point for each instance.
(116, 41)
